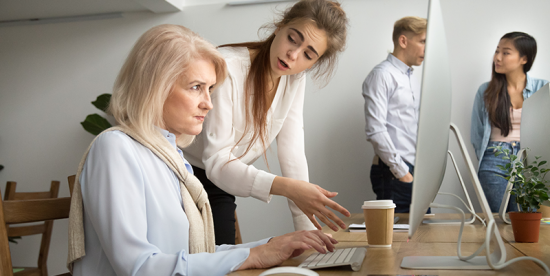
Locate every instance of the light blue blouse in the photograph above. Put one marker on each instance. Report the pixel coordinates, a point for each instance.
(134, 221)
(480, 131)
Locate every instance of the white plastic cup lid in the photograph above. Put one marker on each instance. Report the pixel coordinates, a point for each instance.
(378, 204)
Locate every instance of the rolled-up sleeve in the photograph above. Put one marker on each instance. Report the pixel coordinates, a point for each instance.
(376, 94)
(235, 177)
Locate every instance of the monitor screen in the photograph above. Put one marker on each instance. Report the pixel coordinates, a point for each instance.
(434, 119)
(535, 126)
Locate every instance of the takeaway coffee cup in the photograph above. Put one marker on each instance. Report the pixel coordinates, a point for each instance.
(379, 222)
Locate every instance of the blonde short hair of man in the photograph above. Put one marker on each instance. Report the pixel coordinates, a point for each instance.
(159, 58)
(407, 25)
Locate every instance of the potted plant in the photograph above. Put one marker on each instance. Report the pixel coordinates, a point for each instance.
(95, 123)
(529, 187)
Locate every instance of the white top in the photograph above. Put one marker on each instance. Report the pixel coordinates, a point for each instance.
(224, 126)
(514, 134)
(392, 100)
(134, 221)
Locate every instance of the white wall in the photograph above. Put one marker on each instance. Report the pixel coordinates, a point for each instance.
(49, 74)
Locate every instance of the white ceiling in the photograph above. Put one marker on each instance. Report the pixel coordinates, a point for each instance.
(19, 10)
(31, 9)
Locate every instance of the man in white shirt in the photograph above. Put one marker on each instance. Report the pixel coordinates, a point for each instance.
(391, 112)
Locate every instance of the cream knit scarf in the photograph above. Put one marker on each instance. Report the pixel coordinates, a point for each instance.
(195, 201)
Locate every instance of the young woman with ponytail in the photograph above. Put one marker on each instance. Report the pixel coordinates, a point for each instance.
(261, 100)
(496, 116)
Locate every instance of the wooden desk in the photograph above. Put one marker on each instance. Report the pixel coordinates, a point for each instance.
(430, 240)
(445, 232)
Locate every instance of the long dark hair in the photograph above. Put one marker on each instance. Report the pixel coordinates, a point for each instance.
(328, 16)
(497, 99)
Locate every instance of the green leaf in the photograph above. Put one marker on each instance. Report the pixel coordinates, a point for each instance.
(542, 163)
(102, 102)
(95, 124)
(539, 186)
(507, 165)
(13, 239)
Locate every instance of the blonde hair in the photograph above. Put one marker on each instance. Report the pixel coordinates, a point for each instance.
(159, 58)
(409, 24)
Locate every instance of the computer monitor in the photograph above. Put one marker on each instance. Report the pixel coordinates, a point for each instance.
(433, 121)
(535, 126)
(432, 145)
(535, 130)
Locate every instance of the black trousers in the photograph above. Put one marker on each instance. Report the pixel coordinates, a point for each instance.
(223, 209)
(386, 186)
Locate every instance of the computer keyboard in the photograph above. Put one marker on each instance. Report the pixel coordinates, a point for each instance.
(341, 257)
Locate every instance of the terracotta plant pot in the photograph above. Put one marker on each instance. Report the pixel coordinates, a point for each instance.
(526, 226)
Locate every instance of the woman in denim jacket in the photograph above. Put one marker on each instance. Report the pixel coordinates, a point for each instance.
(496, 115)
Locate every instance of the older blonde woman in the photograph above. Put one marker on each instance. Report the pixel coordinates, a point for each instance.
(137, 209)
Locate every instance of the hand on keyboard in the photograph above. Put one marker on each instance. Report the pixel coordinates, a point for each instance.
(287, 246)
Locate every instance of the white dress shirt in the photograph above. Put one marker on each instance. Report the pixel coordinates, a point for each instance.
(224, 126)
(391, 111)
(134, 221)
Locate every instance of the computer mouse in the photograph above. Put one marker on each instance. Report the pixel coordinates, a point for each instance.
(289, 270)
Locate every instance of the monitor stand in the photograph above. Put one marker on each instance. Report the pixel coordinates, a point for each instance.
(473, 262)
(506, 197)
(470, 205)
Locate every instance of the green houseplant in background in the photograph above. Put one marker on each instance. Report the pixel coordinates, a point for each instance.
(529, 187)
(95, 123)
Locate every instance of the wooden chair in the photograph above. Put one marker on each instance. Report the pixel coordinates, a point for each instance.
(29, 207)
(238, 238)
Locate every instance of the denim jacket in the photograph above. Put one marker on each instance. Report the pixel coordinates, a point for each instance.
(480, 132)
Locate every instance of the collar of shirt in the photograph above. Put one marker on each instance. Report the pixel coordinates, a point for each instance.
(172, 140)
(400, 65)
(528, 87)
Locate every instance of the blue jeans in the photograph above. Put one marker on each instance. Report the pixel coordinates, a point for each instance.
(386, 186)
(493, 185)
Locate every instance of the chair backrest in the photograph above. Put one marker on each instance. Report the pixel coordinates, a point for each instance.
(43, 228)
(22, 209)
(238, 238)
(71, 179)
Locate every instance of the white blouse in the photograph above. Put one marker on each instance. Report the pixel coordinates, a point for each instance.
(224, 126)
(134, 221)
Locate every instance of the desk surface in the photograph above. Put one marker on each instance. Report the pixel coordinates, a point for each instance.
(431, 240)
